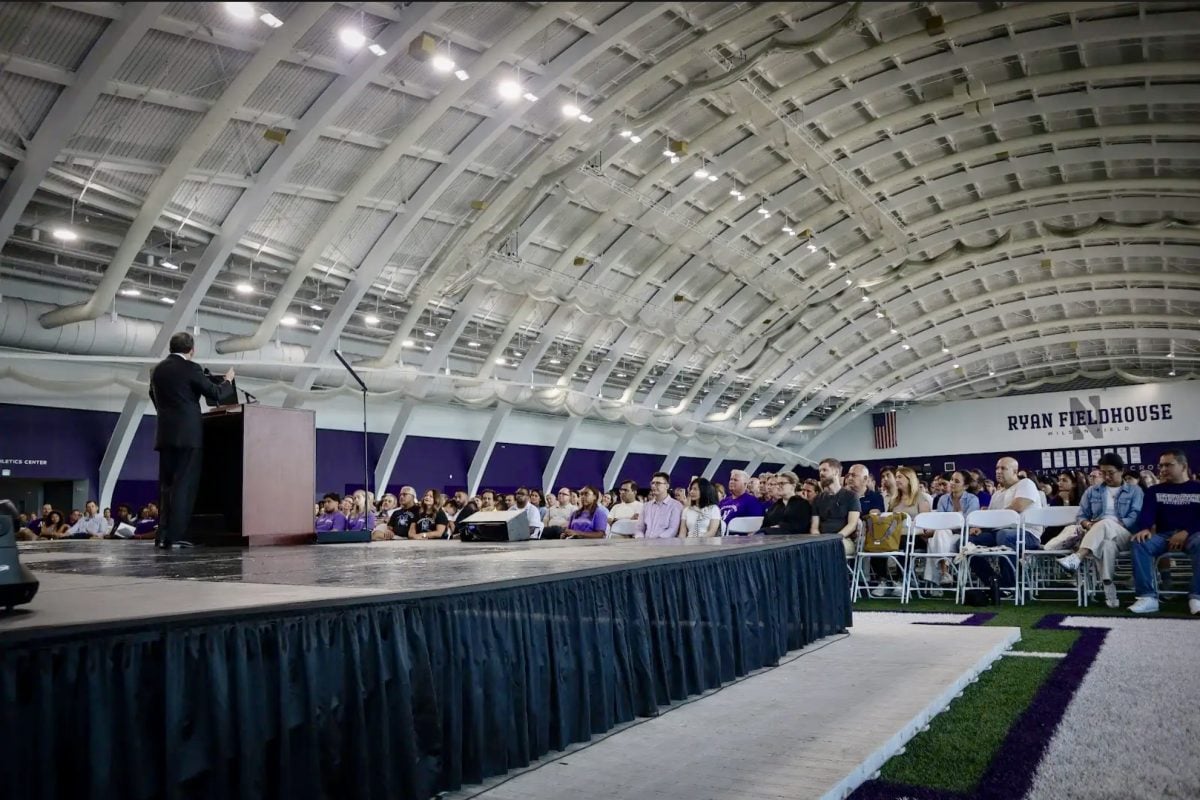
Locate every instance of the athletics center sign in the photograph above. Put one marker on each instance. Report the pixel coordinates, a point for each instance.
(1088, 416)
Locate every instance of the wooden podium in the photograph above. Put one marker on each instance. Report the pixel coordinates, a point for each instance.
(259, 477)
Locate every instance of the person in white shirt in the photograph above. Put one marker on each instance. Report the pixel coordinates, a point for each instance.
(531, 512)
(1016, 494)
(558, 518)
(90, 525)
(629, 506)
(702, 516)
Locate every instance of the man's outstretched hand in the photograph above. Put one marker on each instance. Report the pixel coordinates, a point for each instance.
(229, 374)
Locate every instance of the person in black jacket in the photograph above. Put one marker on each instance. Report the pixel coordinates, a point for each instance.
(176, 385)
(791, 514)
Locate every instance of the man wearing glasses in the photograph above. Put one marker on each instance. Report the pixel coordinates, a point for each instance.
(661, 513)
(1107, 514)
(1170, 521)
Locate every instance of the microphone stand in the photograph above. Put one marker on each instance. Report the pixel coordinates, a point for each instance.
(363, 386)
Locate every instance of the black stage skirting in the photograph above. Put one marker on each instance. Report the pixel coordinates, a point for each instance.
(399, 697)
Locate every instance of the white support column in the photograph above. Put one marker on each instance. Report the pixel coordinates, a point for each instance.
(391, 448)
(486, 445)
(613, 473)
(72, 107)
(713, 464)
(753, 465)
(136, 405)
(559, 454)
(673, 456)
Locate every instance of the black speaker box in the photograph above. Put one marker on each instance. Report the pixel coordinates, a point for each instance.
(496, 526)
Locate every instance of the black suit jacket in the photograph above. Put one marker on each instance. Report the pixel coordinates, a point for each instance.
(176, 386)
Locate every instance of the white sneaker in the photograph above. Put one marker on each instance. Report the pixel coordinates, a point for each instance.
(1145, 605)
(1069, 563)
(879, 591)
(1110, 596)
(946, 580)
(1194, 605)
(893, 590)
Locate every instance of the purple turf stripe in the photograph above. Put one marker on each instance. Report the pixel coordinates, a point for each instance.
(1011, 773)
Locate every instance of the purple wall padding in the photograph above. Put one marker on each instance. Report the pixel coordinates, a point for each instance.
(727, 466)
(685, 468)
(585, 468)
(512, 466)
(639, 467)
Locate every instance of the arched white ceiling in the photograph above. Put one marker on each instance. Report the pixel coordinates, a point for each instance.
(415, 220)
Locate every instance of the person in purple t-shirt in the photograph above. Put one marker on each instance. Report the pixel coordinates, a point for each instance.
(331, 518)
(590, 520)
(739, 502)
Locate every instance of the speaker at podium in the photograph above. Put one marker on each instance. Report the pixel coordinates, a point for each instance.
(496, 526)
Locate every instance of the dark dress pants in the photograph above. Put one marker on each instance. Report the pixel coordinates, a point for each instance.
(178, 482)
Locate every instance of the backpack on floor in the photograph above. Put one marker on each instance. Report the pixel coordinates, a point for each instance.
(882, 532)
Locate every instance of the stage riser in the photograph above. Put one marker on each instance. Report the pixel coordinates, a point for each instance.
(400, 699)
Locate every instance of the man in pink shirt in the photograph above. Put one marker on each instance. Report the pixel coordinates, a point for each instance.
(661, 512)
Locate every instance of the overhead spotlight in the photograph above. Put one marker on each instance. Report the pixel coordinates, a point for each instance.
(408, 343)
(712, 178)
(866, 299)
(472, 344)
(991, 373)
(501, 361)
(894, 331)
(64, 234)
(517, 353)
(668, 154)
(879, 314)
(352, 37)
(270, 20)
(240, 10)
(635, 139)
(849, 282)
(1171, 374)
(812, 248)
(945, 349)
(509, 89)
(314, 326)
(428, 349)
(620, 374)
(289, 321)
(590, 369)
(625, 134)
(461, 74)
(377, 49)
(132, 291)
(955, 366)
(530, 96)
(168, 300)
(906, 347)
(371, 319)
(1170, 355)
(169, 265)
(585, 118)
(555, 361)
(244, 288)
(787, 229)
(833, 265)
(701, 173)
(430, 334)
(570, 110)
(317, 307)
(442, 63)
(674, 159)
(734, 192)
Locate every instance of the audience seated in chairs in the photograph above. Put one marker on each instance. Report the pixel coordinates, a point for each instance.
(869, 503)
(1107, 515)
(836, 509)
(361, 516)
(90, 524)
(958, 499)
(1169, 522)
(331, 517)
(531, 513)
(1016, 494)
(401, 519)
(558, 518)
(590, 520)
(790, 514)
(629, 506)
(702, 516)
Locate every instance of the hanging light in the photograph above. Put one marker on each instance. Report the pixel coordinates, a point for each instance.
(462, 74)
(168, 300)
(377, 49)
(555, 361)
(570, 110)
(314, 326)
(626, 134)
(371, 319)
(530, 96)
(509, 89)
(472, 344)
(317, 307)
(430, 334)
(289, 321)
(132, 291)
(501, 361)
(244, 288)
(812, 248)
(243, 11)
(585, 118)
(169, 265)
(879, 314)
(270, 20)
(668, 154)
(442, 62)
(635, 139)
(894, 331)
(64, 234)
(408, 343)
(352, 37)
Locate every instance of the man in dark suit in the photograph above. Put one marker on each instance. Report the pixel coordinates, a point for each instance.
(176, 385)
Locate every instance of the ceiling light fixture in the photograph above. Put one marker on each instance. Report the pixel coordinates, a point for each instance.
(169, 265)
(472, 344)
(371, 319)
(408, 343)
(894, 331)
(585, 118)
(955, 366)
(243, 11)
(530, 96)
(945, 349)
(625, 134)
(442, 63)
(849, 282)
(131, 292)
(244, 288)
(991, 373)
(906, 347)
(555, 361)
(168, 300)
(64, 234)
(429, 349)
(635, 139)
(787, 229)
(674, 159)
(879, 314)
(501, 361)
(1171, 374)
(812, 248)
(509, 89)
(317, 307)
(314, 326)
(516, 353)
(570, 110)
(270, 20)
(430, 334)
(289, 321)
(376, 49)
(668, 154)
(462, 74)
(352, 37)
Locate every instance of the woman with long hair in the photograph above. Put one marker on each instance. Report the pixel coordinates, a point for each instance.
(702, 516)
(53, 526)
(907, 498)
(590, 520)
(539, 502)
(959, 499)
(431, 521)
(362, 512)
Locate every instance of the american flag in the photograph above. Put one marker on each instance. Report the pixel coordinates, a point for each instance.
(885, 430)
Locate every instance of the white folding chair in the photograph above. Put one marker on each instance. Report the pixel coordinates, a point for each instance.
(625, 527)
(1039, 573)
(986, 520)
(862, 579)
(740, 525)
(952, 521)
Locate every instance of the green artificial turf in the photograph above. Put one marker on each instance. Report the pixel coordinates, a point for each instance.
(961, 741)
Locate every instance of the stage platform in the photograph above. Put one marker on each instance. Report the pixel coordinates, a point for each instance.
(391, 670)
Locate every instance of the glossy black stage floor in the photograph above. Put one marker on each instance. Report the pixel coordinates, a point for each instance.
(395, 669)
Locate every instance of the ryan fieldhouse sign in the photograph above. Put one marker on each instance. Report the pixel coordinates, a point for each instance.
(1094, 420)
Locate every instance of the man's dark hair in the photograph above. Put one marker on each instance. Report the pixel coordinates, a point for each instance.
(492, 492)
(1111, 460)
(334, 496)
(662, 475)
(833, 462)
(182, 342)
(628, 483)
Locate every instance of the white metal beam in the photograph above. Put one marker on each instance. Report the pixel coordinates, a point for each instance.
(561, 448)
(613, 473)
(391, 448)
(483, 453)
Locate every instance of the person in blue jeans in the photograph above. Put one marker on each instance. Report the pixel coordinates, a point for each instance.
(1015, 493)
(1170, 521)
